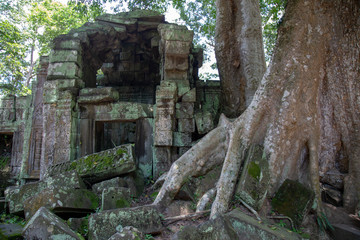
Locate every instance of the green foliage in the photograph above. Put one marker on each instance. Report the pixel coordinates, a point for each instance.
(323, 222)
(27, 28)
(10, 219)
(271, 13)
(149, 237)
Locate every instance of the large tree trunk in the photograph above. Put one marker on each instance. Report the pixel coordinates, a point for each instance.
(306, 111)
(239, 53)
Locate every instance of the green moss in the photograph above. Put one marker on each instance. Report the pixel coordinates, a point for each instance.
(254, 170)
(122, 203)
(293, 200)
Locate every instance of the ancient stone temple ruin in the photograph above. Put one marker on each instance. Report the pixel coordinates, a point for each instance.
(125, 78)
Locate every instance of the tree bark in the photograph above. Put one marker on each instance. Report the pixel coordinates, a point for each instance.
(306, 111)
(239, 53)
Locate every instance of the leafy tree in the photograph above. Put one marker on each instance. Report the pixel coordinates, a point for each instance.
(27, 27)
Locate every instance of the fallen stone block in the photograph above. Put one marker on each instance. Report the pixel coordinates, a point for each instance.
(255, 178)
(103, 225)
(10, 231)
(127, 233)
(45, 225)
(293, 200)
(79, 225)
(100, 166)
(345, 232)
(16, 196)
(62, 202)
(113, 198)
(114, 182)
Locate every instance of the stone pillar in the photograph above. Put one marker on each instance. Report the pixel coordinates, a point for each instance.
(60, 111)
(169, 132)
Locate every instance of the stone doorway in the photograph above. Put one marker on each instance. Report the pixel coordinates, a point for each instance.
(109, 134)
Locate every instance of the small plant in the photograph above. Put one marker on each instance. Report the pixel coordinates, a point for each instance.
(323, 222)
(9, 218)
(149, 237)
(281, 223)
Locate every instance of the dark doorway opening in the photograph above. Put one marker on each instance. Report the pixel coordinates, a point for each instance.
(6, 140)
(114, 133)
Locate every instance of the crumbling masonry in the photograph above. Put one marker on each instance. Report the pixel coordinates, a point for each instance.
(125, 78)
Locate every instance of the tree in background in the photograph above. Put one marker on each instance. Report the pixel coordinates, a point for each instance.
(27, 28)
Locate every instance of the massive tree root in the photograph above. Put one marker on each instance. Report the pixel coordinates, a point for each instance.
(305, 112)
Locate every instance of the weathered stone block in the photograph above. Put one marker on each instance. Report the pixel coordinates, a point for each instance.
(65, 70)
(45, 225)
(127, 233)
(184, 110)
(173, 32)
(50, 92)
(103, 225)
(165, 104)
(61, 200)
(172, 74)
(65, 180)
(115, 197)
(182, 139)
(293, 200)
(255, 178)
(116, 19)
(98, 95)
(71, 44)
(100, 166)
(114, 182)
(204, 122)
(16, 196)
(162, 160)
(176, 62)
(168, 109)
(10, 231)
(58, 56)
(166, 93)
(144, 26)
(79, 225)
(164, 122)
(177, 48)
(163, 138)
(70, 84)
(189, 96)
(186, 125)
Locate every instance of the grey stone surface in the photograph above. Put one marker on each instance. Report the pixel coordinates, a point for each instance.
(62, 200)
(293, 200)
(115, 197)
(45, 225)
(113, 182)
(10, 231)
(103, 225)
(100, 166)
(128, 233)
(255, 178)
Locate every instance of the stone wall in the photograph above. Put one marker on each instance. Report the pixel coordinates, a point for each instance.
(125, 78)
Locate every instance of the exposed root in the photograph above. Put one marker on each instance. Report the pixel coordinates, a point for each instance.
(229, 175)
(283, 217)
(205, 199)
(159, 181)
(196, 215)
(251, 210)
(200, 159)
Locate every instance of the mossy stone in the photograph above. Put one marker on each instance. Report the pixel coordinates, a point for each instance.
(293, 200)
